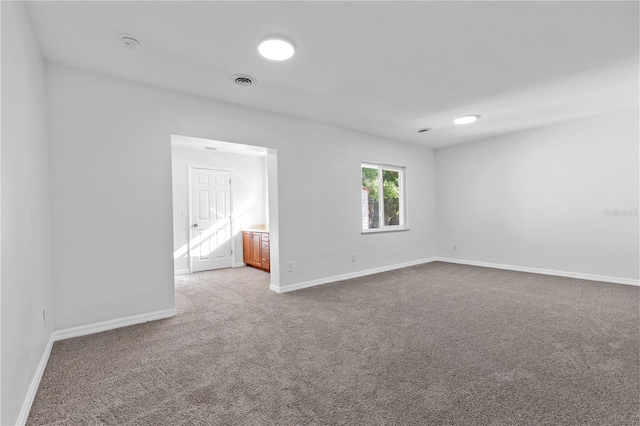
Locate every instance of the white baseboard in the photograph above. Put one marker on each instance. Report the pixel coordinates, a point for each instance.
(186, 271)
(579, 275)
(75, 332)
(111, 324)
(350, 275)
(335, 278)
(35, 382)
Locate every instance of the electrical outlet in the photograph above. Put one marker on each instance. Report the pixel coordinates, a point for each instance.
(455, 247)
(290, 266)
(353, 257)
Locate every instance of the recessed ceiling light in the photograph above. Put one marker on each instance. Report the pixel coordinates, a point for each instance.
(426, 129)
(276, 48)
(130, 41)
(466, 119)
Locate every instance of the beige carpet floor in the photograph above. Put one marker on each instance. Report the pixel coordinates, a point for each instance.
(436, 344)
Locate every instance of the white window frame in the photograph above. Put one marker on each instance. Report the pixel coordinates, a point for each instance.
(402, 226)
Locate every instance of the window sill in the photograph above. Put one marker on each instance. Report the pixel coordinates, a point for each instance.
(383, 230)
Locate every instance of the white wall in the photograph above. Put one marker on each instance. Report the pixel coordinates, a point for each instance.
(25, 243)
(111, 182)
(248, 190)
(537, 198)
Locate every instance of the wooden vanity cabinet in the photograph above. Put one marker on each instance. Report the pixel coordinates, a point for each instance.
(255, 247)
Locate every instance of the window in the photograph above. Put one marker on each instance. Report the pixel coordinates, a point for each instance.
(382, 198)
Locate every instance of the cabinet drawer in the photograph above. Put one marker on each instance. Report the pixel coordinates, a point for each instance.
(265, 236)
(265, 246)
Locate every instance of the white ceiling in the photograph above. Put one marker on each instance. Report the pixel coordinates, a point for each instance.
(220, 146)
(384, 68)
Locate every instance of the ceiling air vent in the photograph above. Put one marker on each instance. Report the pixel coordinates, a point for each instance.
(243, 80)
(130, 41)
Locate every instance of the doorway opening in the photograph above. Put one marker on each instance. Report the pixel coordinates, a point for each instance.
(222, 191)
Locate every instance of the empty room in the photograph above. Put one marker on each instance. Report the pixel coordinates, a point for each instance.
(320, 213)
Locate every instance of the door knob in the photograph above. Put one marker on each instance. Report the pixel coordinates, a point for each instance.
(195, 225)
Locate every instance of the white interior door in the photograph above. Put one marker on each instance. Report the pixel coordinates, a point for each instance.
(210, 239)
